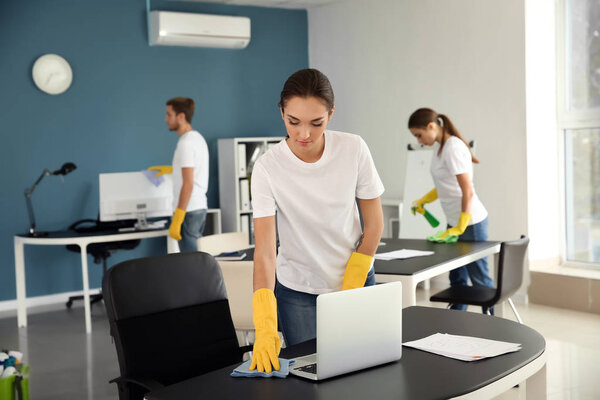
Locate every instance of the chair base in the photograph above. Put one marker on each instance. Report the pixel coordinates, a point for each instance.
(94, 298)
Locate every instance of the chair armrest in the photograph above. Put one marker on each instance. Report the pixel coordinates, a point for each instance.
(146, 383)
(245, 349)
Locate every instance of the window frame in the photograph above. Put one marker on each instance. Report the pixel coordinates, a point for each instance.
(567, 120)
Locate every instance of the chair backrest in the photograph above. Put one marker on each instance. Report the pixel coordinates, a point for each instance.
(238, 280)
(223, 242)
(170, 317)
(511, 264)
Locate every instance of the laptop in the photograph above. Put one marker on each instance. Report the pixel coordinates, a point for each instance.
(356, 329)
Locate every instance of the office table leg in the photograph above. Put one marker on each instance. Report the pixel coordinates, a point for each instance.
(86, 289)
(409, 287)
(20, 277)
(535, 385)
(172, 245)
(409, 293)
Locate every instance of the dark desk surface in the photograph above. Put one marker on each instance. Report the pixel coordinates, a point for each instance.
(443, 253)
(418, 375)
(74, 234)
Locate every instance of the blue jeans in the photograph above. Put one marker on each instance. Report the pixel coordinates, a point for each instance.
(191, 230)
(298, 312)
(478, 270)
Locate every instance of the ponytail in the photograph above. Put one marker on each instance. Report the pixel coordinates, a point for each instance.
(449, 127)
(423, 116)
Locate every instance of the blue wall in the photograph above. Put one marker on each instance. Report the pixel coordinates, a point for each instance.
(112, 117)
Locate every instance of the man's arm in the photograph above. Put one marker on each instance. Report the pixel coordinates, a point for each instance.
(186, 188)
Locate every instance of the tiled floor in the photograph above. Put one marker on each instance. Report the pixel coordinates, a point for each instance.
(68, 364)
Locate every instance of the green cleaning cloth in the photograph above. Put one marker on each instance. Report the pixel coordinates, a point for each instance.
(448, 239)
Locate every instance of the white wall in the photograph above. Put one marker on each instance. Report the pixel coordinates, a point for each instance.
(464, 58)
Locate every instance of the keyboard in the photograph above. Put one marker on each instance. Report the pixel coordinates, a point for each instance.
(310, 368)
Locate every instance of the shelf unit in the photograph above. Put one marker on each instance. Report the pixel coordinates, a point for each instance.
(236, 160)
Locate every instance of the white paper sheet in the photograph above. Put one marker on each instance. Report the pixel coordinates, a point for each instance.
(465, 348)
(400, 254)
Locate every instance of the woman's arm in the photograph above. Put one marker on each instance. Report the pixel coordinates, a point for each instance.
(464, 181)
(265, 253)
(372, 215)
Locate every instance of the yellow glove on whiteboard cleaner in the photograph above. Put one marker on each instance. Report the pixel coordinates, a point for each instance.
(267, 344)
(459, 229)
(176, 221)
(417, 205)
(161, 170)
(357, 268)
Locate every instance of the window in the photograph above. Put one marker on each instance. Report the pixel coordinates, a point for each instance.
(579, 121)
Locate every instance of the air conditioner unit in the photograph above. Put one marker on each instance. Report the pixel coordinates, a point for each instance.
(202, 30)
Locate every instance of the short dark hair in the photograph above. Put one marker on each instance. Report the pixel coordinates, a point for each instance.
(308, 83)
(183, 105)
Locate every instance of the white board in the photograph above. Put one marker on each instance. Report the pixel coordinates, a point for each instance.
(417, 183)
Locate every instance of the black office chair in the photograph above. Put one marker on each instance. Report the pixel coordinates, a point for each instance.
(100, 251)
(170, 320)
(510, 277)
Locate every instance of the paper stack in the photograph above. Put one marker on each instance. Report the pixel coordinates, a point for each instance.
(465, 348)
(231, 256)
(399, 254)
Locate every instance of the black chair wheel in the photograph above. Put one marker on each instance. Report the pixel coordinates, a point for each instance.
(69, 303)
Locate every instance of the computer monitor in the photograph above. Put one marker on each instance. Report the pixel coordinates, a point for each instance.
(130, 195)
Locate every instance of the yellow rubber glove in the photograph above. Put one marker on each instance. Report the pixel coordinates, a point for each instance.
(267, 344)
(357, 268)
(417, 205)
(176, 221)
(162, 169)
(459, 229)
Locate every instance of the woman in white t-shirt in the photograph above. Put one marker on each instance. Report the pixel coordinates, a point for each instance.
(308, 184)
(452, 172)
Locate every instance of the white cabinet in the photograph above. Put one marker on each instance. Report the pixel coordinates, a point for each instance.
(236, 160)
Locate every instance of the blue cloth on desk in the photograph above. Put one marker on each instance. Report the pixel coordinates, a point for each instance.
(243, 371)
(151, 175)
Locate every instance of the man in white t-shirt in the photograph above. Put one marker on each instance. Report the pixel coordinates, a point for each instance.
(190, 175)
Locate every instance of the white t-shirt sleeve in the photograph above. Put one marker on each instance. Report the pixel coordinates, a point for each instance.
(263, 201)
(458, 158)
(186, 155)
(369, 185)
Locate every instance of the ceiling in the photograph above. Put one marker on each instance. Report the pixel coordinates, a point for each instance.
(273, 3)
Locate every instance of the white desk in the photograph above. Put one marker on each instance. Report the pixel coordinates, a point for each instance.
(81, 240)
(213, 220)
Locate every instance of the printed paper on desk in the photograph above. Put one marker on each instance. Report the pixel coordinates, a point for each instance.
(400, 254)
(465, 348)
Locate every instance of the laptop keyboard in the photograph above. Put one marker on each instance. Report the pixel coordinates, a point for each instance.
(310, 368)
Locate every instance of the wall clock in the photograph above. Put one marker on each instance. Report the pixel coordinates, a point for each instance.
(52, 74)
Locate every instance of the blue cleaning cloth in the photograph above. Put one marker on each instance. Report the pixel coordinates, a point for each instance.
(243, 371)
(151, 176)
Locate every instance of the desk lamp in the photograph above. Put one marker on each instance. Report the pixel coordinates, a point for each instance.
(64, 170)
